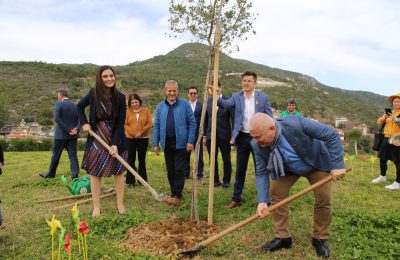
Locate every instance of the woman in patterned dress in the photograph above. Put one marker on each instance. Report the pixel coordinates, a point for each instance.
(106, 118)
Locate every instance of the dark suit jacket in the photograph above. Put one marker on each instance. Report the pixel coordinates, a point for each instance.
(1, 156)
(224, 121)
(118, 131)
(66, 118)
(197, 116)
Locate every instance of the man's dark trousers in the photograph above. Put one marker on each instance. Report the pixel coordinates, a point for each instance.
(58, 146)
(243, 149)
(225, 148)
(200, 164)
(176, 163)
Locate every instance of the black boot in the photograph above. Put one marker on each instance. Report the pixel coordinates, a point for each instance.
(321, 246)
(277, 243)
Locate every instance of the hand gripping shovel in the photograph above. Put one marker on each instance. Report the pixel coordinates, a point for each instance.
(159, 197)
(206, 242)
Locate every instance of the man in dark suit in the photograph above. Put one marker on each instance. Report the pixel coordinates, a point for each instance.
(223, 136)
(1, 167)
(197, 108)
(245, 104)
(66, 135)
(1, 158)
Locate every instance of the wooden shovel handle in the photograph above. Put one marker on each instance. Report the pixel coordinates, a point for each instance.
(273, 207)
(127, 166)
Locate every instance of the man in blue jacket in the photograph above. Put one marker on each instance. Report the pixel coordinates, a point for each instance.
(66, 135)
(174, 128)
(245, 104)
(287, 149)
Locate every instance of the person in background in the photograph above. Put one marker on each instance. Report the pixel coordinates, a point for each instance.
(137, 124)
(197, 108)
(174, 129)
(245, 104)
(107, 110)
(287, 149)
(388, 151)
(223, 136)
(66, 135)
(291, 108)
(1, 167)
(1, 158)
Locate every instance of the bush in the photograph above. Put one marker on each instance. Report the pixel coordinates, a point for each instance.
(45, 144)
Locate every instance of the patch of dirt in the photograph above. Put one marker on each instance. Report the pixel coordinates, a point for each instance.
(168, 238)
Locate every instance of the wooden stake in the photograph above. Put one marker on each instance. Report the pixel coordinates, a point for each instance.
(74, 196)
(214, 125)
(82, 201)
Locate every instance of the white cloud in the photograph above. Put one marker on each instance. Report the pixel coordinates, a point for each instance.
(349, 44)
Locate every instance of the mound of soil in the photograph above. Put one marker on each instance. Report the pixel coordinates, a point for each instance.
(167, 238)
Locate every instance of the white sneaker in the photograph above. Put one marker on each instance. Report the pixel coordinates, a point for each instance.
(393, 186)
(379, 179)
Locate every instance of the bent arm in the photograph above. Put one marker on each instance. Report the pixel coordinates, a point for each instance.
(262, 175)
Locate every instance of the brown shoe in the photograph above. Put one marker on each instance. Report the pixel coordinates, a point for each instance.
(233, 204)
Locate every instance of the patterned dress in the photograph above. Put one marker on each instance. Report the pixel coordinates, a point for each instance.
(97, 161)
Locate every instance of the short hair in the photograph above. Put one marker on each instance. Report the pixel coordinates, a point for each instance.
(171, 82)
(63, 92)
(249, 73)
(193, 88)
(291, 101)
(134, 96)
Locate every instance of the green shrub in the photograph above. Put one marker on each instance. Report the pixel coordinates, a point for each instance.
(367, 235)
(45, 144)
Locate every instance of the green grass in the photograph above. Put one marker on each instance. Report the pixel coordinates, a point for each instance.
(365, 222)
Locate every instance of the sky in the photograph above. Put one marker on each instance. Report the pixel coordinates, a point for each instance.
(352, 45)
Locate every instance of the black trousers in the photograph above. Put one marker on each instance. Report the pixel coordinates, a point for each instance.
(176, 163)
(200, 163)
(139, 146)
(243, 149)
(383, 166)
(225, 147)
(58, 146)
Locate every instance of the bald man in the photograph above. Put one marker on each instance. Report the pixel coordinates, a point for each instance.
(287, 149)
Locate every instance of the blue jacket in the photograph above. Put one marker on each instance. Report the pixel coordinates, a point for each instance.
(66, 117)
(262, 105)
(185, 124)
(317, 144)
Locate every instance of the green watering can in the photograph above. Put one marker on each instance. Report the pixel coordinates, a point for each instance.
(79, 185)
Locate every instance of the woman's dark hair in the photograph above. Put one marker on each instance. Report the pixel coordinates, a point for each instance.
(134, 96)
(100, 95)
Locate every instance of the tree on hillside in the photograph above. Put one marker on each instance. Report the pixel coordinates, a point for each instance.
(354, 135)
(4, 112)
(220, 23)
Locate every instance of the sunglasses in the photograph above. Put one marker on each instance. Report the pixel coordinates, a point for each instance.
(192, 93)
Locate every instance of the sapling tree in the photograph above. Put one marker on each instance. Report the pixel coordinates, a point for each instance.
(222, 24)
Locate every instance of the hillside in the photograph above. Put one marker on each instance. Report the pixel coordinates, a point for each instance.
(30, 86)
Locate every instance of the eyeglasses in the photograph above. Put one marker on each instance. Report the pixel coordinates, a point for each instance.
(192, 93)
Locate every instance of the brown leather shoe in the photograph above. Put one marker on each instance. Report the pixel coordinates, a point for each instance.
(233, 204)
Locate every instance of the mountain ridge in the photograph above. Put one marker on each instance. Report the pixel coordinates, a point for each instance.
(30, 86)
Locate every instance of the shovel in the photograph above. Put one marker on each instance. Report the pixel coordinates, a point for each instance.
(206, 242)
(159, 197)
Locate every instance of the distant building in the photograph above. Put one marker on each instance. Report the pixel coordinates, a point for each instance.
(340, 121)
(363, 127)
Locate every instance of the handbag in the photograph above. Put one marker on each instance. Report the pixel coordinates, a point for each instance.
(378, 139)
(395, 139)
